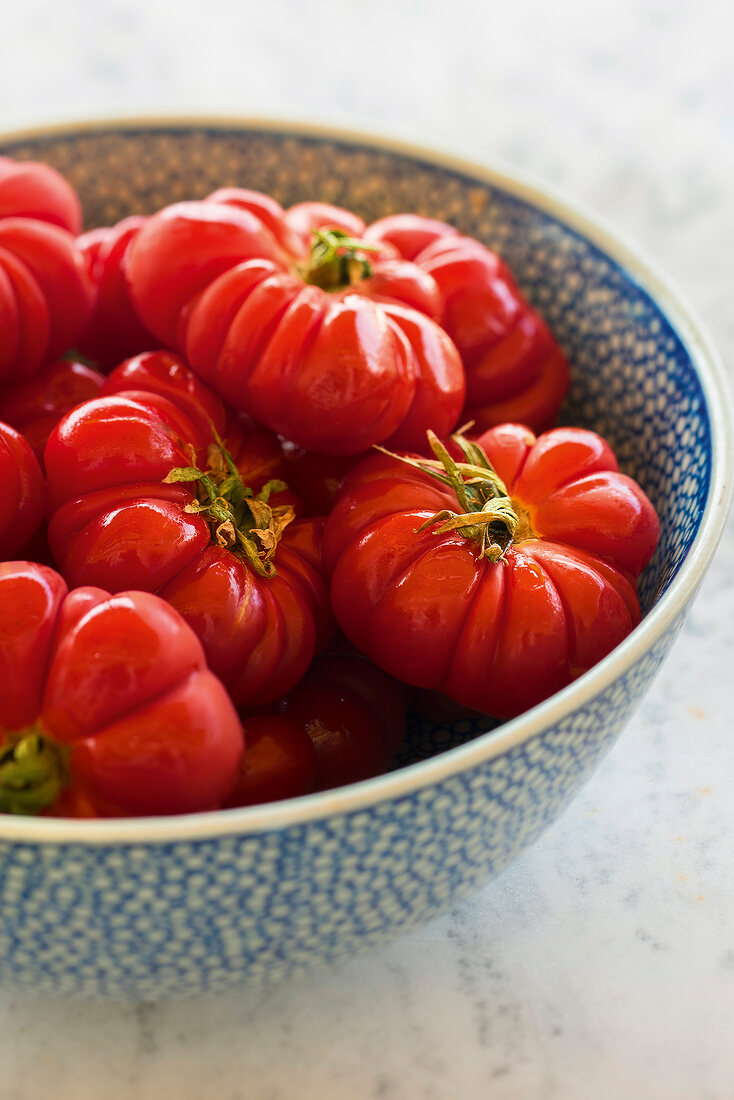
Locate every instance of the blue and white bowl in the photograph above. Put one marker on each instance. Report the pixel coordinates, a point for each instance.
(153, 907)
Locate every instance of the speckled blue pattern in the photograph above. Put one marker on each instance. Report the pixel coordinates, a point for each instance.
(152, 919)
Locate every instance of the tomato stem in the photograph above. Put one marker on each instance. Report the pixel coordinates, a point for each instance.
(337, 260)
(489, 516)
(239, 519)
(33, 771)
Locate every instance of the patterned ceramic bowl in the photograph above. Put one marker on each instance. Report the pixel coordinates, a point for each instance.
(147, 908)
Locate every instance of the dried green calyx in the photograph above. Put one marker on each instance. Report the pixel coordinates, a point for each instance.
(488, 516)
(239, 519)
(337, 260)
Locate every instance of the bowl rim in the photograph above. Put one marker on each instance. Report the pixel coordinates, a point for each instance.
(404, 782)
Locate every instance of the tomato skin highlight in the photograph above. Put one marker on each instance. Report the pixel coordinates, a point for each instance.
(256, 451)
(136, 651)
(175, 755)
(116, 440)
(122, 683)
(409, 234)
(31, 598)
(439, 391)
(167, 374)
(259, 636)
(142, 543)
(207, 239)
(495, 637)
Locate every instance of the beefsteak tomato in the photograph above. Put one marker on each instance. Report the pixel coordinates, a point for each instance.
(354, 715)
(496, 579)
(114, 331)
(46, 295)
(106, 700)
(257, 452)
(21, 498)
(29, 189)
(343, 722)
(515, 370)
(142, 497)
(325, 346)
(35, 405)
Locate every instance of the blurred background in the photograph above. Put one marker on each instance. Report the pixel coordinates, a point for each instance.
(601, 964)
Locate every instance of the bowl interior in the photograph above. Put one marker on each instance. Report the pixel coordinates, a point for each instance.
(633, 380)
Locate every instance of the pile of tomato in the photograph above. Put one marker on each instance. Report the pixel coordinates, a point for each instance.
(240, 532)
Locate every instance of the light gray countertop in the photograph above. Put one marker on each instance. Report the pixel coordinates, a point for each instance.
(601, 964)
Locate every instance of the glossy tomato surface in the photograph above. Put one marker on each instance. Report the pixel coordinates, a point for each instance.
(428, 607)
(30, 189)
(114, 331)
(46, 295)
(354, 715)
(256, 451)
(116, 522)
(280, 762)
(334, 355)
(35, 405)
(21, 498)
(515, 370)
(111, 698)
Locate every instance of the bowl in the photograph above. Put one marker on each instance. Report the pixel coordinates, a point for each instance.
(153, 907)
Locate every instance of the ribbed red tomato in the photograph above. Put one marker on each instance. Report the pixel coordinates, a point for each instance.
(114, 331)
(515, 370)
(46, 295)
(257, 452)
(141, 497)
(29, 189)
(329, 343)
(496, 580)
(168, 375)
(342, 723)
(106, 701)
(280, 762)
(35, 405)
(354, 715)
(21, 498)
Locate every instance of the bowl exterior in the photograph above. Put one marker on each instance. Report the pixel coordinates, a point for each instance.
(156, 918)
(147, 921)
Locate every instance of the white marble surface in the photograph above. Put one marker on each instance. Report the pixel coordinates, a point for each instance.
(601, 965)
